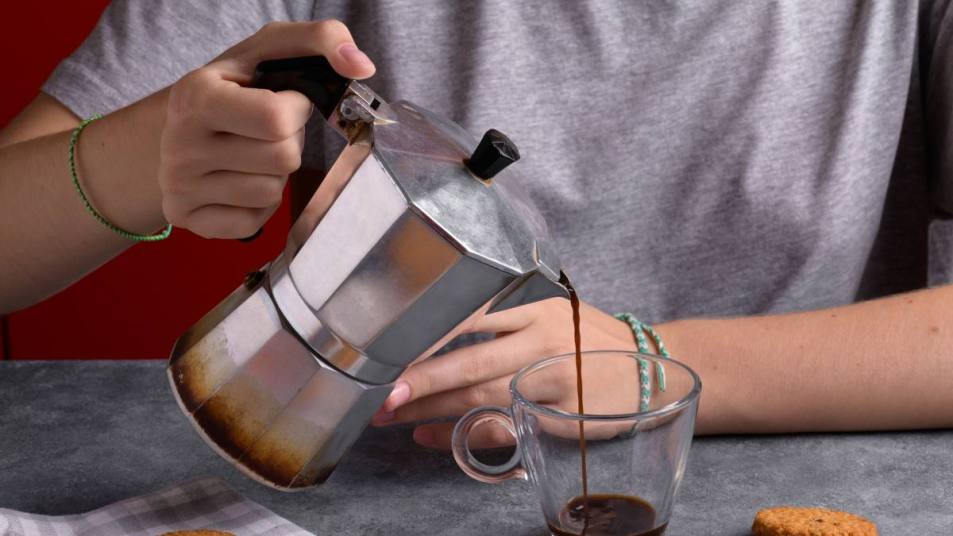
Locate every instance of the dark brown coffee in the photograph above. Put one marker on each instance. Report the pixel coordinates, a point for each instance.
(608, 515)
(600, 514)
(574, 300)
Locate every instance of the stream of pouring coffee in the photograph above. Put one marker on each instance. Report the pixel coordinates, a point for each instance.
(574, 300)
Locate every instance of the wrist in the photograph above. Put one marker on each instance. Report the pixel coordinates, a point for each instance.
(117, 162)
(624, 334)
(706, 346)
(646, 338)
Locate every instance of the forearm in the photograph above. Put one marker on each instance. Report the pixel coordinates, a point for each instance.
(49, 240)
(879, 365)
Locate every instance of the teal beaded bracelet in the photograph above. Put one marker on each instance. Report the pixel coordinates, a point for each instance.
(639, 331)
(73, 141)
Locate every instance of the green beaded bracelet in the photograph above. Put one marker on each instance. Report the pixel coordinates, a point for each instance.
(639, 330)
(73, 140)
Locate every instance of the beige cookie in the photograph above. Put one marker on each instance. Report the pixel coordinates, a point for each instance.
(793, 521)
(198, 533)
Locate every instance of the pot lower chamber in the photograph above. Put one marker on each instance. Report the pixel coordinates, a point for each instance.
(262, 399)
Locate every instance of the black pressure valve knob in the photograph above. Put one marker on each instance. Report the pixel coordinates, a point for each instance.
(494, 153)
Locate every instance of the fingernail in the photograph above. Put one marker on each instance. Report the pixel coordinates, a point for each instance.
(424, 437)
(399, 396)
(384, 418)
(353, 55)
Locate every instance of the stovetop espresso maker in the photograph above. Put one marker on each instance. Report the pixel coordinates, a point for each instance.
(407, 240)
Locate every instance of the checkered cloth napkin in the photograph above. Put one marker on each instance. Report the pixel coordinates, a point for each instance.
(204, 503)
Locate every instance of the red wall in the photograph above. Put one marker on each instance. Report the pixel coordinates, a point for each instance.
(136, 305)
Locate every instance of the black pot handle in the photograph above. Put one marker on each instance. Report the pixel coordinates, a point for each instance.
(311, 75)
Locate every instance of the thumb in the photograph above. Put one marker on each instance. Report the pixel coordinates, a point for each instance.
(350, 61)
(329, 38)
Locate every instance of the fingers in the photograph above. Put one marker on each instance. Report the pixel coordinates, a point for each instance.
(329, 38)
(238, 153)
(256, 113)
(449, 403)
(230, 188)
(201, 154)
(438, 436)
(460, 368)
(554, 387)
(222, 172)
(504, 321)
(220, 221)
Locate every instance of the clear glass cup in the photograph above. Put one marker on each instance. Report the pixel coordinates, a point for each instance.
(635, 458)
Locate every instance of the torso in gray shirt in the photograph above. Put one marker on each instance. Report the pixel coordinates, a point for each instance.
(691, 158)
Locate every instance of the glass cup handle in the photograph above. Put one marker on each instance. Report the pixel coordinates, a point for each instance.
(475, 469)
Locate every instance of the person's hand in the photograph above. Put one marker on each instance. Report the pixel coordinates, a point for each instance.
(453, 383)
(227, 150)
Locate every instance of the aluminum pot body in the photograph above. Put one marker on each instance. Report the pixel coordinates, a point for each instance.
(400, 248)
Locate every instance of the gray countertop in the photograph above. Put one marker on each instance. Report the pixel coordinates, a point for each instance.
(79, 435)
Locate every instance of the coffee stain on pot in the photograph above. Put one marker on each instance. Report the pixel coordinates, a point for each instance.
(261, 399)
(196, 375)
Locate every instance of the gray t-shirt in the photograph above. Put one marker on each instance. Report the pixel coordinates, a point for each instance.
(691, 158)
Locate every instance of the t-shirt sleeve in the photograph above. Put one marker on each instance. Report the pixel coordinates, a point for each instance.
(141, 46)
(938, 100)
(938, 104)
